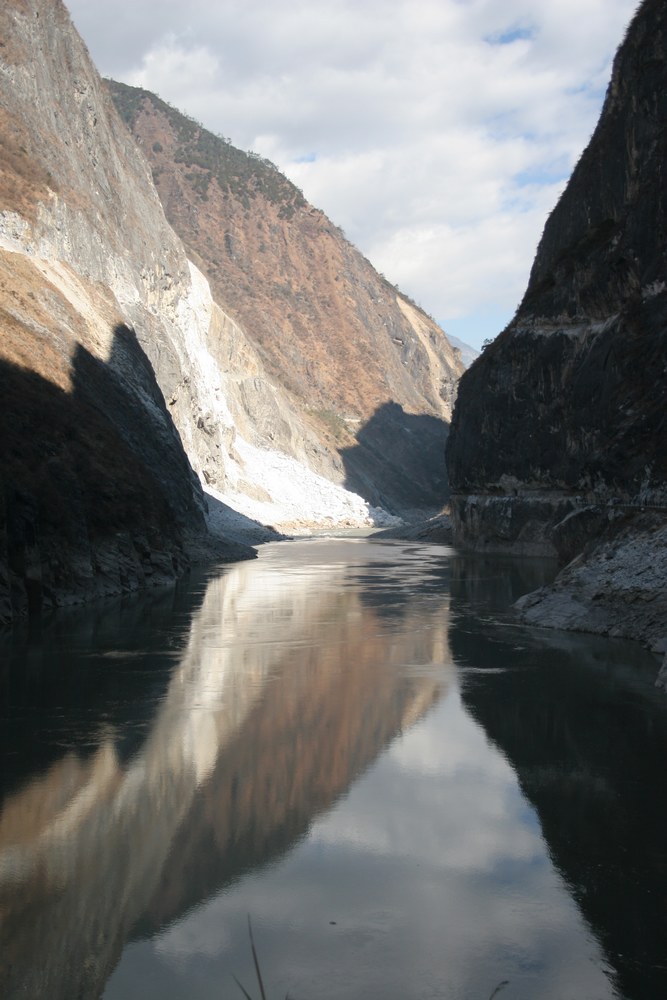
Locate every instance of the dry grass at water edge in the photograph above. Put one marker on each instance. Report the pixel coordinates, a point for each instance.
(494, 993)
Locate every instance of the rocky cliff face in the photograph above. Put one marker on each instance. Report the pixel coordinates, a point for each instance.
(96, 493)
(356, 365)
(573, 393)
(117, 362)
(78, 200)
(564, 414)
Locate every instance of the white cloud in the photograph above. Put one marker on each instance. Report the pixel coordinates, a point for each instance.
(435, 875)
(177, 69)
(415, 124)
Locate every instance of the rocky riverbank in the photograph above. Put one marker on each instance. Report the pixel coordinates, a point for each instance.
(617, 587)
(434, 529)
(557, 443)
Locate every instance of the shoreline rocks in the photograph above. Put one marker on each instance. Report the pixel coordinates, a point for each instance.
(617, 587)
(557, 444)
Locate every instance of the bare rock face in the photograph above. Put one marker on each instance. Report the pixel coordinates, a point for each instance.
(118, 362)
(96, 493)
(359, 373)
(96, 294)
(570, 398)
(560, 424)
(78, 193)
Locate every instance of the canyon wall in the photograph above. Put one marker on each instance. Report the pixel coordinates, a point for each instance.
(96, 492)
(558, 436)
(359, 369)
(132, 390)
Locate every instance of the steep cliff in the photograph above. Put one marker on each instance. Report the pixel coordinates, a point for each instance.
(559, 431)
(78, 194)
(96, 493)
(117, 363)
(364, 370)
(102, 317)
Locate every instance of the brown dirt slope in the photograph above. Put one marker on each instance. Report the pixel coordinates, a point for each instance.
(342, 340)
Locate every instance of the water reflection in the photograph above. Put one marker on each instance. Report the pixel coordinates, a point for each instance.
(287, 688)
(583, 726)
(413, 796)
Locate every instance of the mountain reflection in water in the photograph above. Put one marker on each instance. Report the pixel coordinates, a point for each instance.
(306, 738)
(285, 691)
(586, 734)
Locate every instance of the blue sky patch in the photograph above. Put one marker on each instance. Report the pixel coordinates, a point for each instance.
(479, 325)
(511, 35)
(546, 174)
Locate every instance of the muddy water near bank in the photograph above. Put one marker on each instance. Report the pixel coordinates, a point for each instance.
(353, 743)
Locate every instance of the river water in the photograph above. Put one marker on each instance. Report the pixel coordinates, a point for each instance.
(351, 743)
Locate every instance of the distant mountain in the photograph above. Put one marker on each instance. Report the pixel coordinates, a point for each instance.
(468, 353)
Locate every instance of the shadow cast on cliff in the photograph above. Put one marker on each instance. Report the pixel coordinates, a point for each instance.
(96, 491)
(398, 461)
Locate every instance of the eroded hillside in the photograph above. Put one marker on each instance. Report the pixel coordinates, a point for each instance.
(358, 359)
(128, 386)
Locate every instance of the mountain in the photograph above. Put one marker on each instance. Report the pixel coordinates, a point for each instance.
(364, 367)
(96, 492)
(468, 353)
(139, 414)
(558, 436)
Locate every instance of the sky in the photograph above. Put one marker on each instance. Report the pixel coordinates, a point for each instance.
(437, 133)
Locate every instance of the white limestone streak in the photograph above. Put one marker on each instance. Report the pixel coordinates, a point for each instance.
(298, 499)
(296, 496)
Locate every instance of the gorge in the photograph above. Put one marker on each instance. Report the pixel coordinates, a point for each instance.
(558, 437)
(287, 385)
(404, 761)
(285, 430)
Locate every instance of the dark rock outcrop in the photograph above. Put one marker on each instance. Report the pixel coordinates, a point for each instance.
(558, 440)
(436, 529)
(570, 398)
(561, 424)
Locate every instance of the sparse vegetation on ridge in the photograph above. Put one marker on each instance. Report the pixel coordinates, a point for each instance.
(329, 331)
(243, 175)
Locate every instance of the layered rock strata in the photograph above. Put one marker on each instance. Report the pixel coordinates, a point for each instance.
(559, 434)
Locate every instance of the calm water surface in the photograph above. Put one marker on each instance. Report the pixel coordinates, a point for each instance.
(352, 743)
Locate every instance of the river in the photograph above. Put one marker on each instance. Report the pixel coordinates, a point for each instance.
(352, 743)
